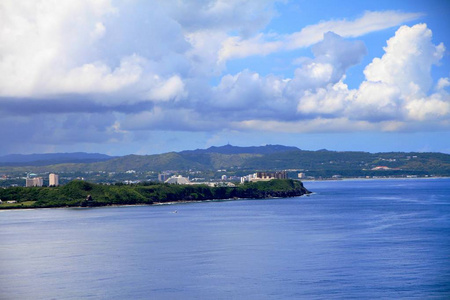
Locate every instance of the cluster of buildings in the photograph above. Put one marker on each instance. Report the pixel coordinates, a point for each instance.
(53, 180)
(264, 176)
(258, 176)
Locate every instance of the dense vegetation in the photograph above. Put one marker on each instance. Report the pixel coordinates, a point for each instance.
(76, 192)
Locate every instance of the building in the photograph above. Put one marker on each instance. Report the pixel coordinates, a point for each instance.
(264, 176)
(380, 168)
(163, 177)
(36, 181)
(178, 180)
(248, 178)
(53, 179)
(261, 176)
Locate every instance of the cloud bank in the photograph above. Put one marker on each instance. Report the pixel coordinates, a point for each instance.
(105, 71)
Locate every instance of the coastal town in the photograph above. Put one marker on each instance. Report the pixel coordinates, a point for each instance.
(219, 166)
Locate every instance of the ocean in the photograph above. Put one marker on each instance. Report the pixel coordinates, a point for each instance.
(351, 239)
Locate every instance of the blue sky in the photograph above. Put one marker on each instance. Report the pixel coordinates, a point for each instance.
(144, 77)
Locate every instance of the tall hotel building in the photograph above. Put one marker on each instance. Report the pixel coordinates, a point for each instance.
(53, 180)
(37, 181)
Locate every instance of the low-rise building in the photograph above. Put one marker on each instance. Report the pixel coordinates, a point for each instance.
(381, 168)
(264, 176)
(178, 180)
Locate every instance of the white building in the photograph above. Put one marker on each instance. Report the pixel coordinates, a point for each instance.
(178, 180)
(37, 181)
(248, 178)
(53, 179)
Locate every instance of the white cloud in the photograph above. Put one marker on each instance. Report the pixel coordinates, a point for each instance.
(371, 21)
(396, 88)
(331, 100)
(94, 77)
(375, 101)
(404, 73)
(431, 108)
(238, 47)
(51, 48)
(37, 37)
(442, 83)
(408, 58)
(160, 65)
(333, 56)
(318, 96)
(303, 126)
(171, 89)
(246, 17)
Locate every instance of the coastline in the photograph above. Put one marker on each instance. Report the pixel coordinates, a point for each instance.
(371, 178)
(81, 194)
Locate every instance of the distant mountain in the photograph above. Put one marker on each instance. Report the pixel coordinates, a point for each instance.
(229, 149)
(240, 160)
(51, 158)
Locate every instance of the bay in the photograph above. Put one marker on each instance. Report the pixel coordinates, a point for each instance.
(351, 239)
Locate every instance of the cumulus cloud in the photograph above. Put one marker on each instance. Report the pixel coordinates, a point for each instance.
(62, 47)
(407, 61)
(396, 88)
(435, 106)
(333, 56)
(394, 96)
(375, 101)
(39, 37)
(65, 47)
(103, 70)
(331, 100)
(404, 71)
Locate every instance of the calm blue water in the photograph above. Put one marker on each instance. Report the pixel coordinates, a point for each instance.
(351, 240)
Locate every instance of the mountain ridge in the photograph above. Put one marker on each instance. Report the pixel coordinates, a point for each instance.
(270, 157)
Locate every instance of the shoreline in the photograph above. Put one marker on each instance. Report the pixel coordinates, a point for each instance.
(153, 204)
(80, 194)
(378, 178)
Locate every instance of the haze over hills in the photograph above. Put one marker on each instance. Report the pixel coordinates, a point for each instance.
(243, 159)
(51, 158)
(229, 149)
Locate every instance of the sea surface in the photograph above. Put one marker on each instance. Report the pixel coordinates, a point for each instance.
(366, 239)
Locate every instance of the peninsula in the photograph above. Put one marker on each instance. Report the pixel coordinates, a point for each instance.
(83, 193)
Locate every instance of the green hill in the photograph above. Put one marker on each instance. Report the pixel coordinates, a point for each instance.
(320, 163)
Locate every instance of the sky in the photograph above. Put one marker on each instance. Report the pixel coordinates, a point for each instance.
(145, 77)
